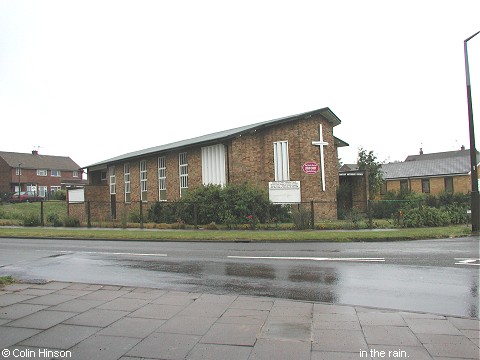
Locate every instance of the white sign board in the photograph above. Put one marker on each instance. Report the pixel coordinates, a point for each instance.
(284, 191)
(76, 196)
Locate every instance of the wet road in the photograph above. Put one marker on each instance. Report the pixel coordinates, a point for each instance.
(439, 276)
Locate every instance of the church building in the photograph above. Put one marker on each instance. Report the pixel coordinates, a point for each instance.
(293, 158)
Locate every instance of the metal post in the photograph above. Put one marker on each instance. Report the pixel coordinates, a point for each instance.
(41, 214)
(312, 216)
(89, 219)
(475, 205)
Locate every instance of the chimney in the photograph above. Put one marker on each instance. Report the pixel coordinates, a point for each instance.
(34, 152)
(421, 151)
(463, 147)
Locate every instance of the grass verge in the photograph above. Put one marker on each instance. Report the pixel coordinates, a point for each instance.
(238, 235)
(6, 280)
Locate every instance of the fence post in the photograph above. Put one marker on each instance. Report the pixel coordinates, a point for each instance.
(195, 215)
(312, 216)
(42, 222)
(141, 214)
(89, 220)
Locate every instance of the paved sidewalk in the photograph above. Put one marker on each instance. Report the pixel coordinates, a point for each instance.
(59, 320)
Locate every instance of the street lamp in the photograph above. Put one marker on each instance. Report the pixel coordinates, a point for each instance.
(473, 152)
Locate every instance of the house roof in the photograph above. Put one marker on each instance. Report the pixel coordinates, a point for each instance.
(37, 161)
(439, 155)
(420, 168)
(226, 134)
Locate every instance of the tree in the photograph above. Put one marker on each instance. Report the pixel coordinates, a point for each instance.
(367, 161)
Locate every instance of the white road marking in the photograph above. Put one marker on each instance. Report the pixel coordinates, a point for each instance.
(105, 253)
(309, 258)
(463, 261)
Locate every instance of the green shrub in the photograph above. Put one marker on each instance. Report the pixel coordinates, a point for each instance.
(60, 195)
(31, 220)
(301, 217)
(71, 221)
(230, 205)
(134, 216)
(426, 216)
(54, 219)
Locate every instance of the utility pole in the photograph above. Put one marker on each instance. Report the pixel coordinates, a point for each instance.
(475, 204)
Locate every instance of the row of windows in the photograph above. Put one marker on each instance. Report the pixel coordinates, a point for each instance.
(404, 185)
(162, 178)
(44, 172)
(213, 170)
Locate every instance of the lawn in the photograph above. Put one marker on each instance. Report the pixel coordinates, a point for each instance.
(237, 235)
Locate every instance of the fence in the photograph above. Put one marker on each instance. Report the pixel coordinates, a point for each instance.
(303, 214)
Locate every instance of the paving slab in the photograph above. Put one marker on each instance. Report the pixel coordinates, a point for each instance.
(114, 322)
(96, 317)
(17, 311)
(60, 336)
(164, 346)
(281, 350)
(103, 347)
(390, 335)
(188, 325)
(219, 352)
(132, 327)
(43, 319)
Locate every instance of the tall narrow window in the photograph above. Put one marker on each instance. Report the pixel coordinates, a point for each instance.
(162, 179)
(143, 180)
(404, 185)
(183, 170)
(126, 179)
(113, 185)
(280, 159)
(18, 171)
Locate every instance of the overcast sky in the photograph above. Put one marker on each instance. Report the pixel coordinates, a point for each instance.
(96, 79)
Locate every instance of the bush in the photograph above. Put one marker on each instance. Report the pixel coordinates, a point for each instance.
(301, 217)
(59, 195)
(230, 205)
(426, 216)
(71, 221)
(54, 219)
(31, 220)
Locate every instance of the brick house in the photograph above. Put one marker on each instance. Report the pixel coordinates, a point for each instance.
(430, 173)
(293, 158)
(42, 174)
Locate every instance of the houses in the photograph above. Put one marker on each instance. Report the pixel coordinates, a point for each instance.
(433, 174)
(293, 158)
(41, 174)
(430, 173)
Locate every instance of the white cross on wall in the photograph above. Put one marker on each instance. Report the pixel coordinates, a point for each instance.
(321, 144)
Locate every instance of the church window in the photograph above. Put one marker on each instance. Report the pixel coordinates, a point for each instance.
(183, 171)
(126, 179)
(280, 159)
(213, 165)
(111, 172)
(143, 180)
(162, 178)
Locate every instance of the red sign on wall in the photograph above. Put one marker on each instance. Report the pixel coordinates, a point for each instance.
(310, 167)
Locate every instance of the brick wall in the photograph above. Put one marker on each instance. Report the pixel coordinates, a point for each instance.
(250, 158)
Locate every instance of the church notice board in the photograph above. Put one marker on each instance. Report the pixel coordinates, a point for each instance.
(284, 191)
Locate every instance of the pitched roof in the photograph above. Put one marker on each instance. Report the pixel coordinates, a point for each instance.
(226, 134)
(446, 166)
(439, 155)
(37, 161)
